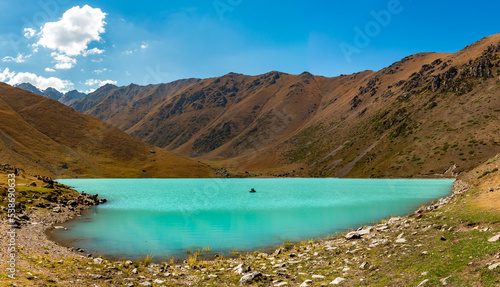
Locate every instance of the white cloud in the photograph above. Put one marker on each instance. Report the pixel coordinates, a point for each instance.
(19, 59)
(74, 31)
(63, 62)
(100, 83)
(97, 60)
(40, 82)
(29, 32)
(49, 70)
(6, 74)
(144, 46)
(93, 51)
(88, 91)
(100, 71)
(128, 52)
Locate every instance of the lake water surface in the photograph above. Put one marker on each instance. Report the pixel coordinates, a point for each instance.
(167, 217)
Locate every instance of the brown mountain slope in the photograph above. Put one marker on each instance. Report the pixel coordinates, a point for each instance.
(418, 116)
(44, 136)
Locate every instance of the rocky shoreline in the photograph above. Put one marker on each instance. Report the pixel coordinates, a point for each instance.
(368, 256)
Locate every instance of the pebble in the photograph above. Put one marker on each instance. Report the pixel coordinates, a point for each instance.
(494, 238)
(318, 277)
(249, 277)
(494, 266)
(337, 281)
(423, 283)
(98, 260)
(95, 276)
(443, 281)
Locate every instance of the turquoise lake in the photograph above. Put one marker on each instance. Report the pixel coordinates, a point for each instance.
(167, 217)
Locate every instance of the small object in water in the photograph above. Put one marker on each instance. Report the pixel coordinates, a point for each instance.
(252, 190)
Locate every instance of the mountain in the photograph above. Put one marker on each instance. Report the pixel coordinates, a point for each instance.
(29, 87)
(421, 116)
(52, 93)
(72, 97)
(125, 106)
(46, 137)
(68, 98)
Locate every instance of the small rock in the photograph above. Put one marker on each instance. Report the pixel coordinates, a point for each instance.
(250, 277)
(352, 235)
(129, 262)
(364, 231)
(281, 284)
(494, 266)
(305, 283)
(134, 271)
(393, 220)
(146, 283)
(424, 273)
(494, 238)
(212, 276)
(98, 260)
(382, 227)
(443, 238)
(158, 281)
(443, 281)
(95, 276)
(363, 265)
(56, 209)
(337, 281)
(425, 252)
(58, 227)
(279, 265)
(423, 283)
(241, 269)
(400, 240)
(318, 277)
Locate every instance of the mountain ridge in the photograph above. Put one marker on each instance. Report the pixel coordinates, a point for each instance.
(44, 136)
(67, 98)
(352, 125)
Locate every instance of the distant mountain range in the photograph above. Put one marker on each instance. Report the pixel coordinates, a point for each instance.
(423, 115)
(68, 98)
(44, 136)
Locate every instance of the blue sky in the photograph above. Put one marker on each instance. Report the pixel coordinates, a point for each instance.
(84, 44)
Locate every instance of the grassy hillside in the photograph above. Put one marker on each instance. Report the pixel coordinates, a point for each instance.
(44, 136)
(421, 116)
